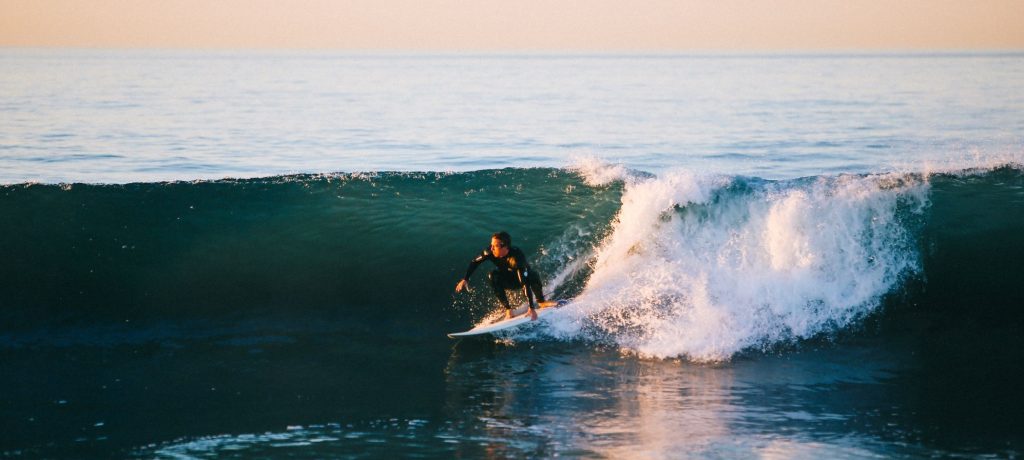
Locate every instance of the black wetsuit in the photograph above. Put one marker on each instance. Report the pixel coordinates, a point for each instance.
(513, 272)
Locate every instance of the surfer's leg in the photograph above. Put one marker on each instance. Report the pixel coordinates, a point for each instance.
(499, 288)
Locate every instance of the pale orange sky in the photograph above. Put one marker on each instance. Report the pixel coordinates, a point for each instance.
(504, 25)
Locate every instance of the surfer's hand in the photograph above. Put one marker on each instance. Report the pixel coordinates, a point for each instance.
(533, 314)
(462, 285)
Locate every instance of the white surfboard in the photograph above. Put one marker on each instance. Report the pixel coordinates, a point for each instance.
(519, 317)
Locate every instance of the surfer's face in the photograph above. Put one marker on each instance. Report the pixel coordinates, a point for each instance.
(498, 248)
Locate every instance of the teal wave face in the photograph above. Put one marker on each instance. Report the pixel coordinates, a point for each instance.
(973, 245)
(384, 244)
(385, 249)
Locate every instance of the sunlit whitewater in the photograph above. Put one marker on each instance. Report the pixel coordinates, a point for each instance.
(705, 266)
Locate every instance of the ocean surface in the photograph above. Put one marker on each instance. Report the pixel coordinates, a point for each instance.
(253, 255)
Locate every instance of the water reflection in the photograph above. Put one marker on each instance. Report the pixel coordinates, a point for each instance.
(548, 399)
(542, 400)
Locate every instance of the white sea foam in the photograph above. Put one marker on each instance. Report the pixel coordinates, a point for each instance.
(597, 172)
(704, 266)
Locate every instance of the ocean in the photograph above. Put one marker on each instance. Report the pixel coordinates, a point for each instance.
(212, 254)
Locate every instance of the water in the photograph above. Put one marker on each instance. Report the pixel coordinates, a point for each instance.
(251, 255)
(106, 116)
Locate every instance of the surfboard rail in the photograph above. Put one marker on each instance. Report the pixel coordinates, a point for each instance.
(519, 317)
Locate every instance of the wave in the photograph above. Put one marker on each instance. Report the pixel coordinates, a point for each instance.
(374, 246)
(681, 264)
(705, 266)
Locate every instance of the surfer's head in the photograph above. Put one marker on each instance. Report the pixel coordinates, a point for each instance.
(500, 242)
(503, 237)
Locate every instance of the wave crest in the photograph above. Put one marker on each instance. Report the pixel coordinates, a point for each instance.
(703, 267)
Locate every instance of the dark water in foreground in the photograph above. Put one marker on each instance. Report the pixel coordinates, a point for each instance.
(305, 317)
(304, 397)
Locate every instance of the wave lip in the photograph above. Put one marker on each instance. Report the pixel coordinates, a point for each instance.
(704, 266)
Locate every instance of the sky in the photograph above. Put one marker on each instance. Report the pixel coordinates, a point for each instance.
(523, 25)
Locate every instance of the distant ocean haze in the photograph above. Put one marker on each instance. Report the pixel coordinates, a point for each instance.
(131, 116)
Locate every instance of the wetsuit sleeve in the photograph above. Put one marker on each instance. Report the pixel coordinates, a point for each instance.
(486, 254)
(522, 269)
(522, 266)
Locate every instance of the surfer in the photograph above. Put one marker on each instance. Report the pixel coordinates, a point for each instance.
(513, 272)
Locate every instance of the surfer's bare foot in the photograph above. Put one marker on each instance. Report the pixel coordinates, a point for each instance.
(533, 314)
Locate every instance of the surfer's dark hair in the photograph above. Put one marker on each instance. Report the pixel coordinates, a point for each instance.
(504, 237)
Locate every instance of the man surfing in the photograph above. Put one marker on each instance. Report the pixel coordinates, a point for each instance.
(512, 272)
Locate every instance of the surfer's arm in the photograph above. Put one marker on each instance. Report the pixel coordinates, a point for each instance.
(529, 294)
(522, 273)
(476, 263)
(464, 282)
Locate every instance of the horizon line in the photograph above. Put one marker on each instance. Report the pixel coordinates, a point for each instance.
(697, 52)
